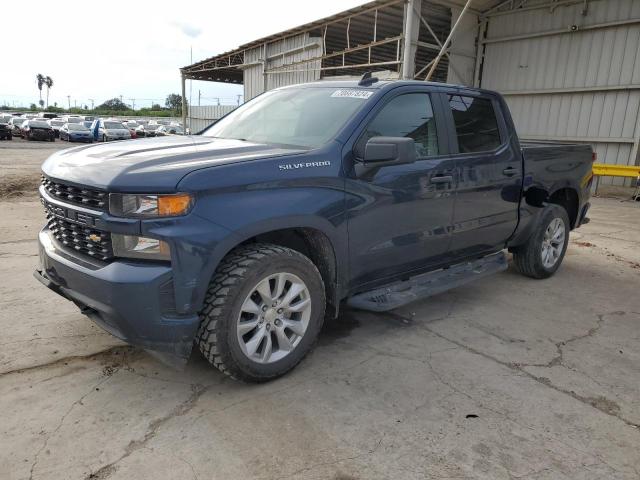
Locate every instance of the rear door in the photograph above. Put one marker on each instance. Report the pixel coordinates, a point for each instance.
(489, 174)
(400, 215)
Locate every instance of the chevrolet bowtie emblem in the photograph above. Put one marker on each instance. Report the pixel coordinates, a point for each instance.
(94, 238)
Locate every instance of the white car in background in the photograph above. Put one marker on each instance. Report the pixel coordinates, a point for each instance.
(15, 123)
(109, 130)
(169, 130)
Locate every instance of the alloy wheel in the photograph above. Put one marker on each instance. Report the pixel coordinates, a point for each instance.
(553, 243)
(274, 317)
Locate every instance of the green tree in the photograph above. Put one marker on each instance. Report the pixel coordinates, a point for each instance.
(40, 83)
(174, 102)
(113, 104)
(33, 107)
(156, 106)
(48, 81)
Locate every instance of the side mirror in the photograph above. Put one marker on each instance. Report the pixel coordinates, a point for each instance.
(380, 151)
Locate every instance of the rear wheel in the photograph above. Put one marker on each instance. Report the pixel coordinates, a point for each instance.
(263, 312)
(542, 254)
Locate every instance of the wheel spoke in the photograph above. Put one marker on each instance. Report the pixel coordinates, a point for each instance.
(283, 341)
(267, 348)
(295, 326)
(558, 235)
(294, 290)
(253, 344)
(246, 326)
(250, 306)
(264, 289)
(281, 280)
(299, 306)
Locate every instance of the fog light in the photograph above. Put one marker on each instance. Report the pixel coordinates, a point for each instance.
(133, 246)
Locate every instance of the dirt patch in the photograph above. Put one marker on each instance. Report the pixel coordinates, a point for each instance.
(19, 186)
(584, 244)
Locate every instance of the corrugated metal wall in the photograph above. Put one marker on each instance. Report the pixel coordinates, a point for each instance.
(576, 86)
(201, 117)
(280, 54)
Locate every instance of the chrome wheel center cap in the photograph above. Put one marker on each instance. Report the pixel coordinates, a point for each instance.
(270, 315)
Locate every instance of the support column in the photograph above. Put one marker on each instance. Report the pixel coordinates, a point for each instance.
(445, 45)
(410, 32)
(184, 104)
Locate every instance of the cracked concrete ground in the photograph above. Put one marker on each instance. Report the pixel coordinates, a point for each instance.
(507, 378)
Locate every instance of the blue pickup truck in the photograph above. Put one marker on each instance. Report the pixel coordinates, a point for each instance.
(242, 238)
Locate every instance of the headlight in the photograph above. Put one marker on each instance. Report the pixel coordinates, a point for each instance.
(132, 246)
(149, 206)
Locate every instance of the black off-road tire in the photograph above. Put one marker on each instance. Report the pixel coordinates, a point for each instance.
(236, 275)
(527, 258)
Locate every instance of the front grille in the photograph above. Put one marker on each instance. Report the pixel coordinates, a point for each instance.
(82, 239)
(76, 195)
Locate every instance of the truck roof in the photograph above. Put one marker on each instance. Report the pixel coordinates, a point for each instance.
(386, 84)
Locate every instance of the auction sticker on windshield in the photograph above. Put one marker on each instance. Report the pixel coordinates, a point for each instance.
(346, 93)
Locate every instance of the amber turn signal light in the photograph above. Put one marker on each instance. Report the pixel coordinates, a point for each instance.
(171, 205)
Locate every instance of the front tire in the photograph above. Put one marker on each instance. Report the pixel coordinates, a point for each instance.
(263, 312)
(541, 256)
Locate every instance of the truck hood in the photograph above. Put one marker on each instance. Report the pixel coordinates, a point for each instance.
(153, 165)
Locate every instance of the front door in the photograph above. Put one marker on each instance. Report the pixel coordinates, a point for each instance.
(400, 216)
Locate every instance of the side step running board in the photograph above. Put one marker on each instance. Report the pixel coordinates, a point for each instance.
(428, 284)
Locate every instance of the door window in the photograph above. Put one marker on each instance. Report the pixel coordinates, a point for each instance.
(409, 115)
(475, 122)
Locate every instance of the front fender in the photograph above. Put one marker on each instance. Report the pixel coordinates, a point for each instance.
(258, 197)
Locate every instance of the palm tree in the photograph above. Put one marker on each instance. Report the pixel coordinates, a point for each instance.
(48, 81)
(40, 81)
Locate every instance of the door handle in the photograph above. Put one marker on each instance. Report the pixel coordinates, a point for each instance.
(510, 171)
(442, 179)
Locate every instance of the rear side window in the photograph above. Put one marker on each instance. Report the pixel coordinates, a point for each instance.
(475, 122)
(408, 115)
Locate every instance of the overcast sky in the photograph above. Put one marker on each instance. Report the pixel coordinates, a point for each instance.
(100, 50)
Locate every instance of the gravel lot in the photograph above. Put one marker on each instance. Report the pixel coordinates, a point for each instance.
(502, 379)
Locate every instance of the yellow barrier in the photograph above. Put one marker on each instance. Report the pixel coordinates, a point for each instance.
(608, 170)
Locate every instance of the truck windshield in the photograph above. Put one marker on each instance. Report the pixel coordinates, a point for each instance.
(304, 117)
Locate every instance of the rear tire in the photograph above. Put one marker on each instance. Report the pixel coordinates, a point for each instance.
(541, 256)
(247, 311)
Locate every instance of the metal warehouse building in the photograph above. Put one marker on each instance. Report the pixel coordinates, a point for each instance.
(569, 69)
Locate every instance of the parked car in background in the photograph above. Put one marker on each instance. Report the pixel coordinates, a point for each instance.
(131, 125)
(141, 131)
(87, 123)
(74, 119)
(56, 124)
(38, 129)
(5, 128)
(151, 129)
(169, 130)
(76, 132)
(15, 123)
(47, 115)
(108, 130)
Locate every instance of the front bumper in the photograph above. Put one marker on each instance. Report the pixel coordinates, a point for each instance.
(84, 138)
(131, 300)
